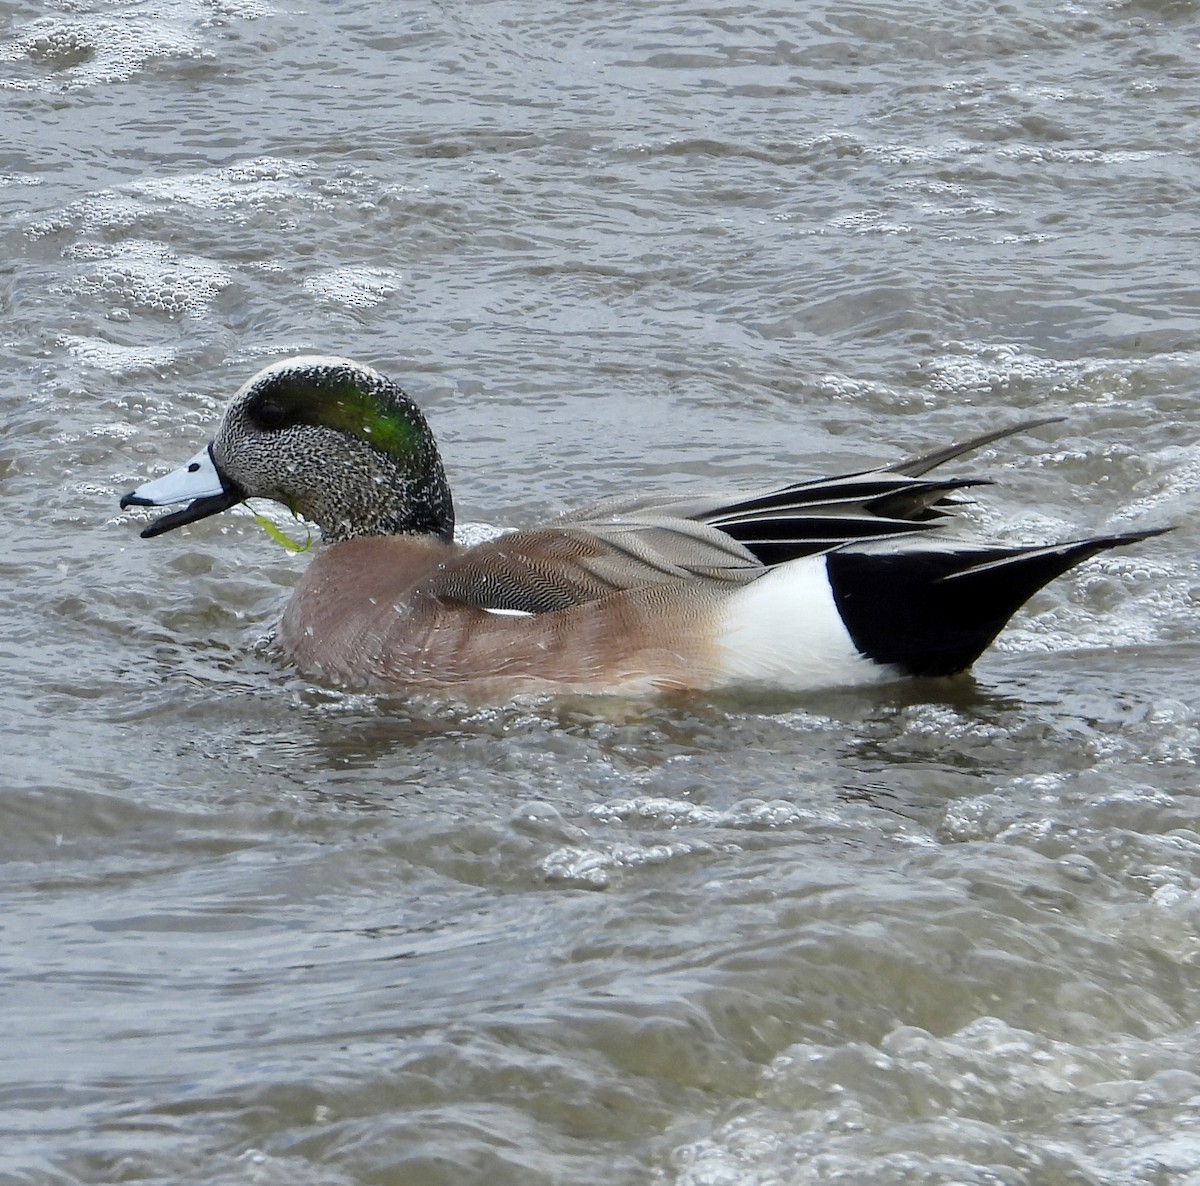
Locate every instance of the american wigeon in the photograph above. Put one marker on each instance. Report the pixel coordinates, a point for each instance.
(836, 581)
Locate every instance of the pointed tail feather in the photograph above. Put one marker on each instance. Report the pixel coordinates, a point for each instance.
(914, 467)
(932, 612)
(797, 520)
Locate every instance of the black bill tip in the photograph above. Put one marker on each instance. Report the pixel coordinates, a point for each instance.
(200, 508)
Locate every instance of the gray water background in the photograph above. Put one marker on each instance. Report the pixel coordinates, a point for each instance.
(253, 931)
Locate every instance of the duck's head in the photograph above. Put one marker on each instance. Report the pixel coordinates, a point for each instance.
(336, 442)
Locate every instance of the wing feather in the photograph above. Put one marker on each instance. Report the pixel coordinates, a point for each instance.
(636, 542)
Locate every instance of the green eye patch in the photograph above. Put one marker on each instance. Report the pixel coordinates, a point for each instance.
(376, 413)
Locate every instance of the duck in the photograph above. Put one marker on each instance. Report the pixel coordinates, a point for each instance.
(817, 584)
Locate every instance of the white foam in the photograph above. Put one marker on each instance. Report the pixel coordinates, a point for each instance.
(354, 287)
(102, 211)
(592, 868)
(983, 366)
(930, 1107)
(115, 358)
(869, 222)
(149, 276)
(92, 46)
(87, 48)
(254, 184)
(860, 392)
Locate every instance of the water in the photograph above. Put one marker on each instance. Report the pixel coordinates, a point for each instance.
(255, 931)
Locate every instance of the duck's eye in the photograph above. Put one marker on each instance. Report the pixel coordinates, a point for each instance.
(270, 414)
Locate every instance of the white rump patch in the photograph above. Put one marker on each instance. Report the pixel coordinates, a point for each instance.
(784, 631)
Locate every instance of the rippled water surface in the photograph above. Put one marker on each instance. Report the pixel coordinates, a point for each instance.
(257, 931)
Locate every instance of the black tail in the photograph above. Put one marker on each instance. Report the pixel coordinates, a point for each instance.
(932, 612)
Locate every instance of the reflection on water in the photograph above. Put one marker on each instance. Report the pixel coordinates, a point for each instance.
(261, 931)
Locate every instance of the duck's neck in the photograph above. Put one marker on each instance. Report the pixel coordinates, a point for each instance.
(410, 499)
(428, 509)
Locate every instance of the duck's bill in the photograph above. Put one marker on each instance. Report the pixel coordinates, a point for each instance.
(198, 483)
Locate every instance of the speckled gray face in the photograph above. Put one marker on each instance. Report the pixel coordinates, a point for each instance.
(336, 442)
